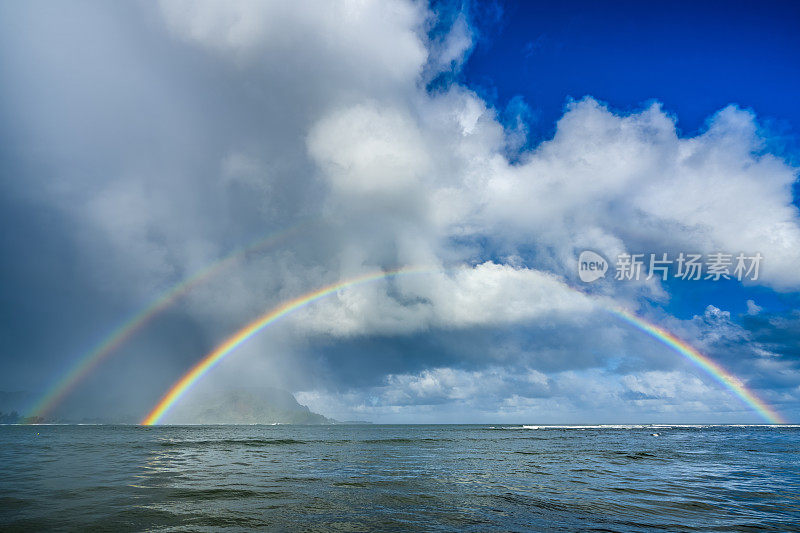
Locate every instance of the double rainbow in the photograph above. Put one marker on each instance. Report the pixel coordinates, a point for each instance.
(210, 361)
(88, 361)
(205, 365)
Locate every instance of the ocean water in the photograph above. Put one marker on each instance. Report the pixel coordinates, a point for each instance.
(401, 478)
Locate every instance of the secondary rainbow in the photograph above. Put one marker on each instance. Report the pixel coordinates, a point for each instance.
(236, 340)
(721, 375)
(87, 362)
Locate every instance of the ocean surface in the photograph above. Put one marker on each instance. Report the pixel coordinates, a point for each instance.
(400, 478)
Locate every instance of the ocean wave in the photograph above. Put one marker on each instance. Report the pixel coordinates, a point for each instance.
(640, 426)
(404, 440)
(231, 442)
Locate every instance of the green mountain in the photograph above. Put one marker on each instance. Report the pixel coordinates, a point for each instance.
(246, 406)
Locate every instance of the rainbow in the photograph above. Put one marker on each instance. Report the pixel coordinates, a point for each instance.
(208, 362)
(713, 369)
(88, 361)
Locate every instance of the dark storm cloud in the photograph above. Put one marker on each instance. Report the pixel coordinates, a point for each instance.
(143, 142)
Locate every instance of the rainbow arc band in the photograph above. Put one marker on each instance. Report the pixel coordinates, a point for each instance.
(108, 345)
(210, 361)
(205, 365)
(716, 371)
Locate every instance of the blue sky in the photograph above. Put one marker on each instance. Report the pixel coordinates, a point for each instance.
(694, 57)
(491, 143)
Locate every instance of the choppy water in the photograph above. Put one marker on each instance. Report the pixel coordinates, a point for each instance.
(356, 478)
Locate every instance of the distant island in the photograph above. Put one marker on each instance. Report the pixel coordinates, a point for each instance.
(246, 406)
(263, 405)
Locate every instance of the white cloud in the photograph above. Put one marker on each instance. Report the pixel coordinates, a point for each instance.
(753, 308)
(252, 115)
(404, 172)
(358, 38)
(488, 294)
(450, 50)
(370, 149)
(666, 385)
(631, 183)
(497, 394)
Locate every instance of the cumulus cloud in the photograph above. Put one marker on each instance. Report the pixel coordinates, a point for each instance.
(496, 394)
(630, 183)
(245, 118)
(549, 380)
(369, 39)
(488, 294)
(368, 150)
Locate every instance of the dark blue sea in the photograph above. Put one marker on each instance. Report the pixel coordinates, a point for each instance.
(400, 478)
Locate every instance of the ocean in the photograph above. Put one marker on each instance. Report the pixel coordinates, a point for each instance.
(400, 478)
